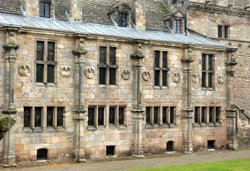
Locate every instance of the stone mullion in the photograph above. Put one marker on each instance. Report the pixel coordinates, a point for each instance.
(44, 118)
(160, 116)
(117, 116)
(106, 116)
(55, 118)
(32, 118)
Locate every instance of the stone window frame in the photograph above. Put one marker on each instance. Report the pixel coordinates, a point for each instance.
(106, 123)
(44, 125)
(45, 62)
(223, 31)
(205, 70)
(202, 119)
(107, 65)
(51, 8)
(161, 69)
(149, 119)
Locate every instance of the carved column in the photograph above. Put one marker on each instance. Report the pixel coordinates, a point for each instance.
(187, 99)
(231, 112)
(9, 94)
(80, 116)
(137, 109)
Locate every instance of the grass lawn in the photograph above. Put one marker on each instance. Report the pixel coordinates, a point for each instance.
(233, 165)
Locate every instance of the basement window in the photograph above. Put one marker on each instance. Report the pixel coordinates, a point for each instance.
(170, 146)
(110, 150)
(42, 154)
(210, 144)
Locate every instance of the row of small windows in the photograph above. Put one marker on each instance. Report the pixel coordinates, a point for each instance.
(207, 115)
(38, 116)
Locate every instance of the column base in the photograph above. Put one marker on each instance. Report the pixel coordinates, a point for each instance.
(188, 149)
(9, 165)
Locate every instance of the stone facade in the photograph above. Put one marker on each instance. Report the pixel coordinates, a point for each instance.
(77, 87)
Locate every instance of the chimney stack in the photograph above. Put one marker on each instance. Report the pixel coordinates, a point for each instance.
(140, 21)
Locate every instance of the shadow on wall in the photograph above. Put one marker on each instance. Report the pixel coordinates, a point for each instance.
(5, 124)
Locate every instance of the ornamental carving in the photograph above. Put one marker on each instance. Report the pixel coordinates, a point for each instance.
(176, 77)
(65, 71)
(220, 79)
(90, 73)
(125, 74)
(195, 78)
(11, 38)
(146, 76)
(24, 70)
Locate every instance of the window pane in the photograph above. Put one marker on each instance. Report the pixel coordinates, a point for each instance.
(203, 114)
(178, 26)
(148, 115)
(156, 114)
(38, 116)
(157, 78)
(26, 116)
(41, 9)
(164, 60)
(164, 78)
(39, 73)
(157, 59)
(196, 115)
(204, 62)
(220, 31)
(211, 112)
(164, 115)
(112, 56)
(210, 80)
(101, 116)
(51, 74)
(103, 53)
(51, 51)
(47, 9)
(50, 113)
(60, 111)
(40, 51)
(122, 21)
(112, 76)
(172, 114)
(226, 32)
(203, 78)
(91, 116)
(112, 115)
(218, 113)
(121, 115)
(102, 76)
(210, 63)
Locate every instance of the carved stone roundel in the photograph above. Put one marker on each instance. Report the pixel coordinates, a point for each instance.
(146, 76)
(176, 77)
(65, 71)
(90, 73)
(220, 79)
(125, 74)
(195, 78)
(24, 70)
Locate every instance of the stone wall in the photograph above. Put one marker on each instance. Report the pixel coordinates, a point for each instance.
(10, 6)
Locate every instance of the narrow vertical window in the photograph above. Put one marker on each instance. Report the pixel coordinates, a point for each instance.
(223, 31)
(123, 19)
(101, 116)
(226, 31)
(112, 115)
(204, 70)
(157, 68)
(51, 63)
(40, 61)
(218, 114)
(112, 66)
(91, 116)
(148, 112)
(38, 116)
(211, 114)
(164, 69)
(60, 111)
(207, 71)
(196, 114)
(102, 66)
(26, 116)
(44, 9)
(50, 115)
(210, 71)
(220, 30)
(164, 115)
(121, 115)
(172, 115)
(203, 114)
(156, 115)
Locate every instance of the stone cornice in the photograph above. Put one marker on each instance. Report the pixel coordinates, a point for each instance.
(218, 9)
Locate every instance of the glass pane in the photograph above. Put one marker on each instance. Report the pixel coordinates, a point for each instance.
(41, 9)
(112, 56)
(218, 113)
(164, 60)
(39, 51)
(50, 113)
(211, 112)
(164, 78)
(103, 53)
(220, 31)
(112, 115)
(156, 114)
(148, 115)
(203, 114)
(122, 21)
(60, 111)
(112, 76)
(26, 116)
(39, 73)
(102, 76)
(210, 80)
(38, 116)
(91, 116)
(157, 78)
(121, 115)
(101, 116)
(178, 26)
(51, 51)
(196, 115)
(157, 59)
(47, 9)
(204, 62)
(210, 63)
(172, 113)
(164, 115)
(203, 79)
(226, 33)
(51, 74)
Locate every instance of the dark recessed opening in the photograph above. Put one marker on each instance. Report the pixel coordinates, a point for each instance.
(210, 144)
(170, 146)
(42, 154)
(110, 150)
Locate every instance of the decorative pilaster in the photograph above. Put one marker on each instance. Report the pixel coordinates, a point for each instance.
(187, 99)
(137, 109)
(9, 111)
(231, 112)
(80, 116)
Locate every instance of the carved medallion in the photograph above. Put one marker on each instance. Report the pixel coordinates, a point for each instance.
(220, 79)
(65, 71)
(176, 77)
(195, 78)
(146, 76)
(24, 70)
(90, 73)
(125, 74)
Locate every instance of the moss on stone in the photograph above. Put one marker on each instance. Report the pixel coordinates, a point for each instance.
(6, 123)
(163, 9)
